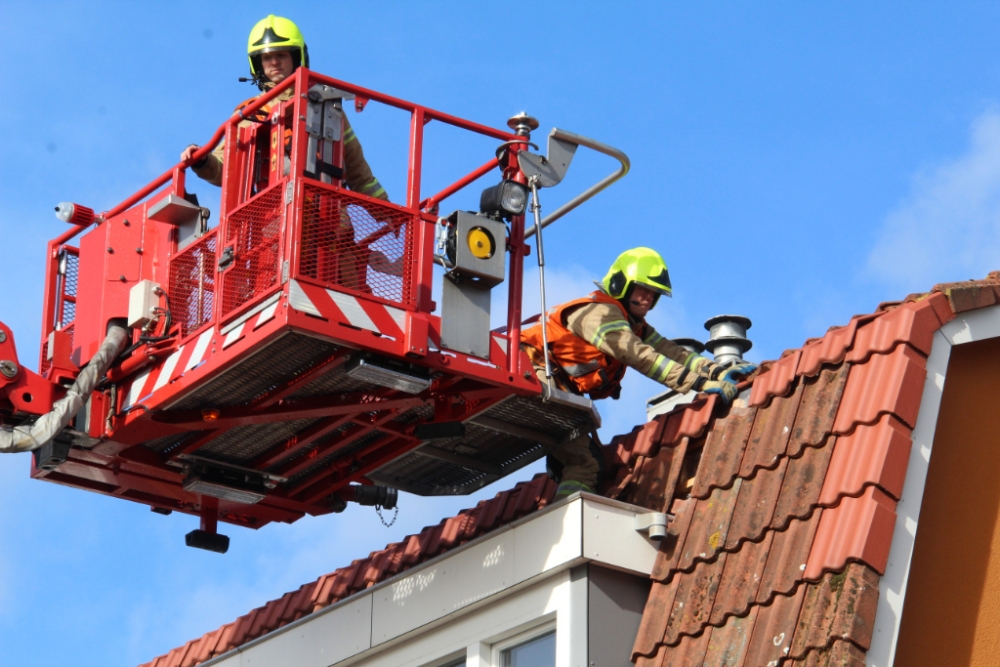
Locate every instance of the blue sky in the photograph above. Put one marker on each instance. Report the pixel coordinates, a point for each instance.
(794, 162)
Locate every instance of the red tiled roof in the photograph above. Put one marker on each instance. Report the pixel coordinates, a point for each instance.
(784, 505)
(523, 499)
(784, 528)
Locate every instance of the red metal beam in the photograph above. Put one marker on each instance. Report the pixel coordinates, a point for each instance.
(307, 408)
(298, 442)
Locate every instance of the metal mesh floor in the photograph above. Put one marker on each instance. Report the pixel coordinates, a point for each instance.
(497, 442)
(484, 454)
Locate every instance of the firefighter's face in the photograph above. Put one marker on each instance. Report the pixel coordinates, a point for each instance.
(641, 301)
(278, 65)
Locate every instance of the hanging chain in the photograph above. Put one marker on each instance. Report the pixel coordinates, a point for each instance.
(378, 510)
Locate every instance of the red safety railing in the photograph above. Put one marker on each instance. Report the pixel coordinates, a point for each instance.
(277, 223)
(192, 286)
(61, 282)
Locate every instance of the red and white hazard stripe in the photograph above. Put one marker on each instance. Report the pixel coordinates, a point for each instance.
(337, 306)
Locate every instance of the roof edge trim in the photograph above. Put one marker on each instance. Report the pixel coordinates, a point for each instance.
(967, 327)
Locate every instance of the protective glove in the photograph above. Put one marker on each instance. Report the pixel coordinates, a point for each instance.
(725, 390)
(743, 370)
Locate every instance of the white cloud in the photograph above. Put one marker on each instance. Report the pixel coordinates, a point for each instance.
(561, 285)
(948, 228)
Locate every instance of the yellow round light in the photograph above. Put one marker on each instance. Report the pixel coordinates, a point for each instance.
(480, 243)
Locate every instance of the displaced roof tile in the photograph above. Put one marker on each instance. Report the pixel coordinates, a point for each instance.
(857, 529)
(875, 454)
(892, 382)
(647, 439)
(970, 295)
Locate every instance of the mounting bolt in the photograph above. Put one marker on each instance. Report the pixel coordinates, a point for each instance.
(3, 336)
(8, 369)
(527, 375)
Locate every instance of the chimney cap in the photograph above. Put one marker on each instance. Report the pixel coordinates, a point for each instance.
(692, 344)
(737, 319)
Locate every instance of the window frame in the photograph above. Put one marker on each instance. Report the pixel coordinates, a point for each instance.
(523, 637)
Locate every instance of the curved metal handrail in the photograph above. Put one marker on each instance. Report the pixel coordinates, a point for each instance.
(592, 144)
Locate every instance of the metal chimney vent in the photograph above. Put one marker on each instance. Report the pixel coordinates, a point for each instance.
(728, 340)
(690, 344)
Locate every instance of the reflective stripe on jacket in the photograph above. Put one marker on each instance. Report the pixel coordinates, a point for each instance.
(588, 369)
(595, 335)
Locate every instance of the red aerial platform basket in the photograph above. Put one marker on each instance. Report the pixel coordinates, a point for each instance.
(289, 359)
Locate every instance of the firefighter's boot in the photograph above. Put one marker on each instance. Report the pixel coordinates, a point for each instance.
(580, 468)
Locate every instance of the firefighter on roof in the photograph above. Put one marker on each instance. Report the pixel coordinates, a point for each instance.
(275, 49)
(594, 339)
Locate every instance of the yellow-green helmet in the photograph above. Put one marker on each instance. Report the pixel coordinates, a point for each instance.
(276, 34)
(641, 266)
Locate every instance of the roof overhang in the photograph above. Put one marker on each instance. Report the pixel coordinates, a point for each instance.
(584, 529)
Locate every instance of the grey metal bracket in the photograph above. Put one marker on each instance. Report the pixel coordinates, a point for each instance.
(654, 524)
(552, 168)
(578, 140)
(324, 123)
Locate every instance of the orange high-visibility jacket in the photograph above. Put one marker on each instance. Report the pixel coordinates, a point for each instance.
(588, 368)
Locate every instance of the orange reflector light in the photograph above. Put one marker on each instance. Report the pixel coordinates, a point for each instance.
(210, 415)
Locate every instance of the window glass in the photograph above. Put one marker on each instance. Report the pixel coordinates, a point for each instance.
(537, 652)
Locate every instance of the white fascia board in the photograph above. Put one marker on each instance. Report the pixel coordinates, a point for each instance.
(538, 604)
(582, 529)
(968, 327)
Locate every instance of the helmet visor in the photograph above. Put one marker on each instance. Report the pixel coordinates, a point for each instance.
(659, 283)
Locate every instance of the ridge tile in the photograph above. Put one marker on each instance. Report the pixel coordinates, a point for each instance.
(876, 454)
(891, 382)
(856, 529)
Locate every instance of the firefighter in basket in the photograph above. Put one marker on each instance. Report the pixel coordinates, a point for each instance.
(594, 339)
(276, 48)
